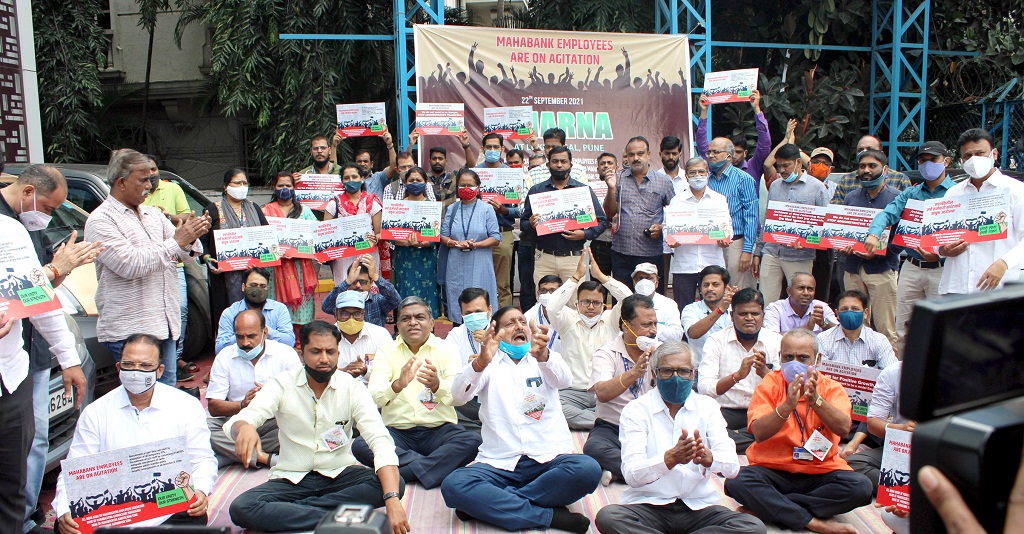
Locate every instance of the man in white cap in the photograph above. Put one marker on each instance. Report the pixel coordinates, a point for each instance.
(821, 167)
(645, 282)
(359, 339)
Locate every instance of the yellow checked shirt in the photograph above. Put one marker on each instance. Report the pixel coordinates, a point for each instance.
(415, 405)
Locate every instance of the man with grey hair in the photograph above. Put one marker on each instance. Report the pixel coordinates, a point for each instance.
(672, 438)
(741, 191)
(137, 272)
(411, 383)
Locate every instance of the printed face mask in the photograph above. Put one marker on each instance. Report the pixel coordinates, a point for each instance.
(137, 382)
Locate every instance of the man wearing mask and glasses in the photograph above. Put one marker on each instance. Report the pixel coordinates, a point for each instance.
(255, 282)
(360, 340)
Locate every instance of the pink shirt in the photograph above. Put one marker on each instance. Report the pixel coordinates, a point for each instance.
(609, 362)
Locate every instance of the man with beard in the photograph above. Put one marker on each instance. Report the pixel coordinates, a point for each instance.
(735, 360)
(316, 471)
(443, 180)
(396, 191)
(874, 274)
(671, 148)
(710, 314)
(375, 181)
(799, 309)
(255, 283)
(849, 181)
(321, 153)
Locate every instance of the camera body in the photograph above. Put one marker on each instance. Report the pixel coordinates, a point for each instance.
(353, 519)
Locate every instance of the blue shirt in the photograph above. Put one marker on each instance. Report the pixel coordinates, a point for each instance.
(894, 210)
(279, 323)
(376, 182)
(377, 305)
(879, 263)
(738, 188)
(507, 219)
(556, 241)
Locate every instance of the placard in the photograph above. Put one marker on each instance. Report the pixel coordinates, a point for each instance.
(362, 120)
(566, 209)
(845, 226)
(402, 218)
(314, 191)
(857, 380)
(788, 224)
(130, 485)
(908, 229)
(972, 218)
(730, 85)
(295, 236)
(342, 237)
(514, 122)
(697, 224)
(250, 246)
(600, 188)
(894, 475)
(24, 288)
(502, 184)
(440, 119)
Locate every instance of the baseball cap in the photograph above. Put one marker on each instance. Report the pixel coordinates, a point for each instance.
(349, 299)
(933, 147)
(823, 151)
(647, 268)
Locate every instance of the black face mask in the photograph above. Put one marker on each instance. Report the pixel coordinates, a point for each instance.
(559, 175)
(747, 337)
(255, 296)
(320, 377)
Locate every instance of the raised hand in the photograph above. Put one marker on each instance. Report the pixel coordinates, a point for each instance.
(539, 341)
(428, 376)
(71, 255)
(408, 373)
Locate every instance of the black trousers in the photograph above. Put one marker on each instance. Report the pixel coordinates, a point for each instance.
(17, 426)
(603, 445)
(527, 293)
(736, 422)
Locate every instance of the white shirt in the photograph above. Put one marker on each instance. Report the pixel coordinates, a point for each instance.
(463, 341)
(111, 423)
(679, 183)
(507, 432)
(368, 341)
(693, 314)
(689, 259)
(670, 327)
(885, 398)
(961, 273)
(723, 355)
(536, 315)
(646, 431)
(232, 376)
(611, 361)
(579, 341)
(869, 345)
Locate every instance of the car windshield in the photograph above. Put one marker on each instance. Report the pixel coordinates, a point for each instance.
(66, 217)
(197, 202)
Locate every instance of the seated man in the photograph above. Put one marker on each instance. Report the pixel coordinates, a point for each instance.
(883, 413)
(538, 314)
(669, 470)
(238, 373)
(475, 305)
(800, 309)
(669, 326)
(525, 474)
(620, 375)
(854, 342)
(735, 360)
(380, 296)
(359, 340)
(796, 477)
(709, 315)
(317, 409)
(412, 385)
(255, 284)
(142, 411)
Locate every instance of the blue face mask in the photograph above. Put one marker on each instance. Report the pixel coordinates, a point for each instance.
(352, 187)
(284, 194)
(931, 170)
(415, 188)
(792, 368)
(851, 320)
(492, 156)
(718, 165)
(675, 390)
(791, 178)
(871, 184)
(475, 321)
(251, 354)
(516, 352)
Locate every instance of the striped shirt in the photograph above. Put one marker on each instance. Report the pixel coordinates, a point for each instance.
(137, 272)
(739, 189)
(640, 206)
(870, 346)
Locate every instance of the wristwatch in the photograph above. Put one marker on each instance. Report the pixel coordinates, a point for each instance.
(391, 494)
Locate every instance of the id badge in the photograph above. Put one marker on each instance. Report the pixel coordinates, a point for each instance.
(426, 397)
(800, 453)
(335, 438)
(532, 406)
(818, 445)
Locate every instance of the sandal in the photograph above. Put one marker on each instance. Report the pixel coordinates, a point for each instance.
(188, 367)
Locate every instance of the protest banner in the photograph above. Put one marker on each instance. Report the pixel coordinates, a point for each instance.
(971, 218)
(403, 218)
(845, 226)
(571, 208)
(894, 476)
(128, 486)
(361, 120)
(342, 237)
(503, 185)
(600, 189)
(697, 224)
(788, 224)
(858, 380)
(295, 236)
(908, 229)
(249, 246)
(601, 88)
(727, 86)
(513, 122)
(314, 191)
(25, 289)
(440, 119)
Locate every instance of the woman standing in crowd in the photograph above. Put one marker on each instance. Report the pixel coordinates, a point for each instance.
(294, 281)
(355, 201)
(415, 261)
(469, 231)
(231, 211)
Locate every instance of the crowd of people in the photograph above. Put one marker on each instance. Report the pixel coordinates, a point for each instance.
(671, 386)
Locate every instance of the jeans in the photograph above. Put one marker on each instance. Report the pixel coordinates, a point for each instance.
(183, 295)
(168, 359)
(17, 426)
(521, 499)
(40, 443)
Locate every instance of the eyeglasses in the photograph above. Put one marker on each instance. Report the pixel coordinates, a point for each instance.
(132, 366)
(697, 174)
(591, 303)
(319, 148)
(713, 152)
(665, 373)
(344, 315)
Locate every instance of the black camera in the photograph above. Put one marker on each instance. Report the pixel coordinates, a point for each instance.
(963, 382)
(647, 233)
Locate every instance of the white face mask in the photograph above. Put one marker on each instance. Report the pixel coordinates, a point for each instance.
(645, 287)
(544, 299)
(34, 220)
(137, 382)
(590, 321)
(644, 342)
(978, 166)
(238, 192)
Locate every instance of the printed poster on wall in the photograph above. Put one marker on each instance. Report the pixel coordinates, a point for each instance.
(503, 185)
(788, 223)
(361, 120)
(894, 476)
(727, 86)
(403, 218)
(342, 237)
(697, 224)
(314, 191)
(908, 229)
(295, 236)
(972, 218)
(571, 208)
(24, 288)
(601, 88)
(512, 122)
(130, 485)
(241, 248)
(440, 119)
(858, 380)
(845, 226)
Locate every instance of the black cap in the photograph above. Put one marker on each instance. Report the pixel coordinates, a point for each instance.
(934, 148)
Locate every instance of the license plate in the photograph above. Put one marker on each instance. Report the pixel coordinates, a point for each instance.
(60, 403)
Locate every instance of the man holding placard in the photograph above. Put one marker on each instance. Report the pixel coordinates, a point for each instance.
(741, 191)
(754, 165)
